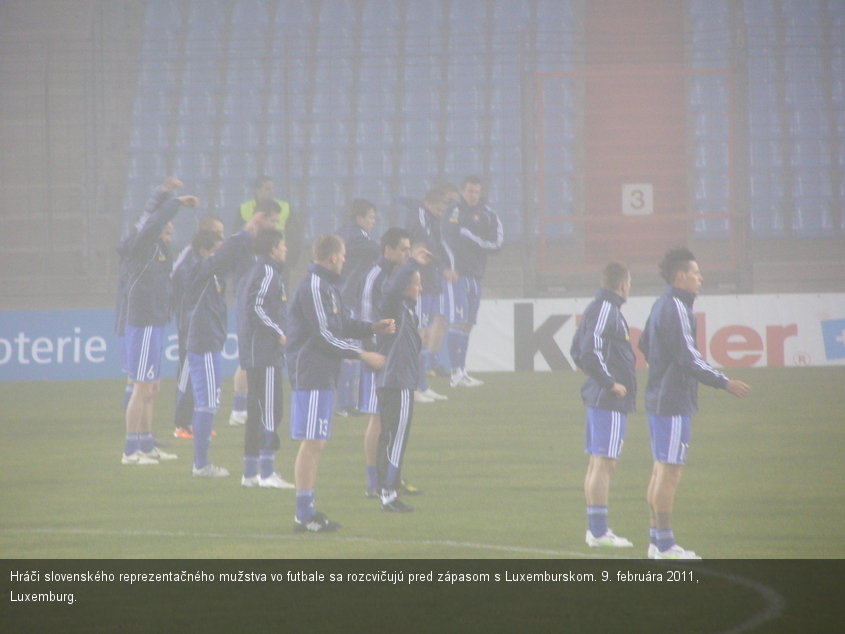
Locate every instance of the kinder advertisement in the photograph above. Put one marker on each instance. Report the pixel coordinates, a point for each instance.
(732, 330)
(524, 335)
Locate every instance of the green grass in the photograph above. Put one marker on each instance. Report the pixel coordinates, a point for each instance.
(502, 468)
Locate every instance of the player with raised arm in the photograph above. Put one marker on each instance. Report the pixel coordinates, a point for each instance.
(144, 305)
(207, 332)
(675, 368)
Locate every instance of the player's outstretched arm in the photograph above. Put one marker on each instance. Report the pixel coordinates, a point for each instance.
(738, 388)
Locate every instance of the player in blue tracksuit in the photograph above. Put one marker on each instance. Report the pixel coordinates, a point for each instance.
(675, 368)
(425, 227)
(396, 247)
(362, 251)
(207, 332)
(398, 380)
(320, 334)
(262, 317)
(144, 303)
(184, 405)
(601, 348)
(471, 232)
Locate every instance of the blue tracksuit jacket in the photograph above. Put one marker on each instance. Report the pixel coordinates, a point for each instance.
(262, 315)
(675, 366)
(601, 347)
(319, 332)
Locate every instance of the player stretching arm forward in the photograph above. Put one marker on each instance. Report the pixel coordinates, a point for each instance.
(675, 368)
(320, 334)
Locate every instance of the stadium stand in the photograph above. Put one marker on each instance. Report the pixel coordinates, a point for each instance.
(345, 98)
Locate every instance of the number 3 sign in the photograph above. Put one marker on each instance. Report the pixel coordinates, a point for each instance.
(637, 199)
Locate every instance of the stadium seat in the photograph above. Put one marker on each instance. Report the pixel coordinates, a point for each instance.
(148, 135)
(239, 135)
(198, 103)
(249, 17)
(195, 136)
(149, 167)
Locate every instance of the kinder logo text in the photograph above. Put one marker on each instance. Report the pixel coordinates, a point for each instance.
(731, 331)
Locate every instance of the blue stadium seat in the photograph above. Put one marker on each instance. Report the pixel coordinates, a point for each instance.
(759, 11)
(764, 124)
(149, 167)
(198, 103)
(765, 154)
(555, 15)
(812, 217)
(148, 135)
(809, 123)
(463, 131)
(293, 16)
(237, 166)
(710, 125)
(152, 103)
(767, 218)
(192, 167)
(372, 163)
(245, 104)
(420, 162)
(162, 23)
(206, 21)
(336, 17)
(711, 154)
(250, 18)
(371, 133)
(810, 154)
(511, 16)
(239, 135)
(462, 160)
(195, 136)
(245, 73)
(276, 133)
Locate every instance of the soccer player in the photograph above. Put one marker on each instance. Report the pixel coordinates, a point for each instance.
(144, 302)
(320, 334)
(362, 251)
(602, 349)
(262, 312)
(399, 377)
(425, 229)
(290, 225)
(184, 408)
(675, 368)
(396, 247)
(471, 232)
(206, 301)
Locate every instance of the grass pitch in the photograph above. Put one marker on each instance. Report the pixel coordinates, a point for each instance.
(502, 468)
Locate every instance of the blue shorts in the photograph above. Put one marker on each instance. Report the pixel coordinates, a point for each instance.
(206, 373)
(461, 300)
(669, 438)
(428, 307)
(605, 432)
(367, 397)
(311, 414)
(142, 352)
